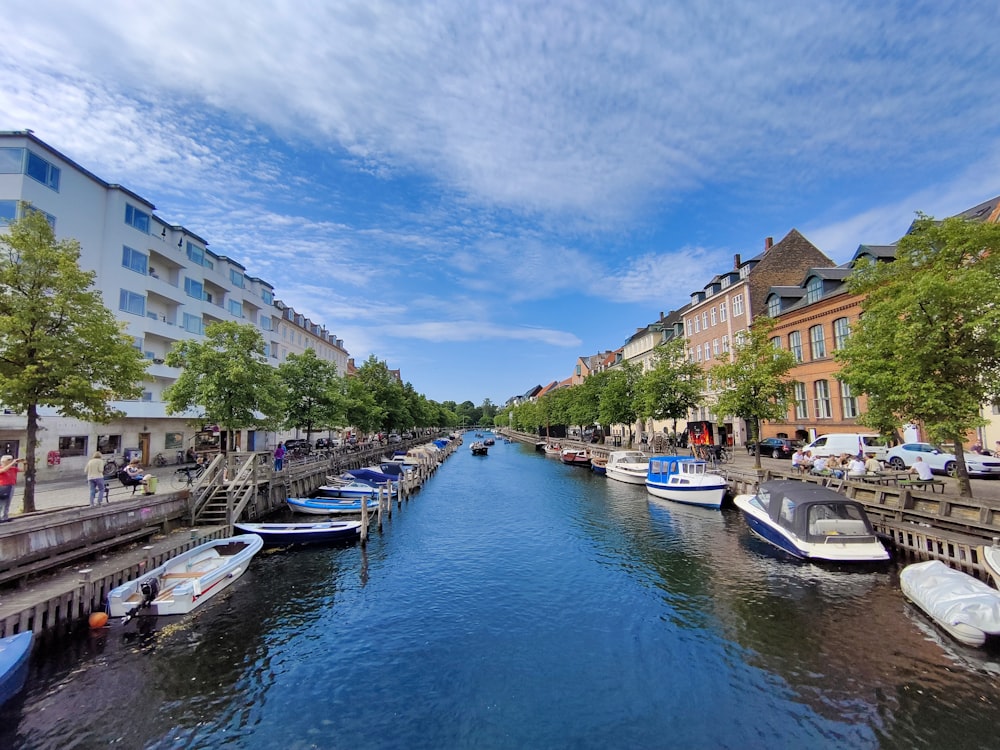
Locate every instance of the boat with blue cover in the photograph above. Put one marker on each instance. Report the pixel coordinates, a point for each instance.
(684, 480)
(353, 489)
(14, 653)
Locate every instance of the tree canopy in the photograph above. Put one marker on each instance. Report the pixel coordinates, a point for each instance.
(672, 387)
(227, 377)
(755, 384)
(927, 346)
(311, 393)
(59, 345)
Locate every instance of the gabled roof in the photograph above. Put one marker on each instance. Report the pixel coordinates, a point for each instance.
(875, 252)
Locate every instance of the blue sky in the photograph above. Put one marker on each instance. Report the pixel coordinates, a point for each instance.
(479, 193)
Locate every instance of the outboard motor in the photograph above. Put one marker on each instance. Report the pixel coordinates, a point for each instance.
(149, 589)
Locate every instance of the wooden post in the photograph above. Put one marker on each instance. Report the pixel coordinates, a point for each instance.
(364, 520)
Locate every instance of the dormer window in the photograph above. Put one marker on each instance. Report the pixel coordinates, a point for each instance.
(774, 305)
(814, 289)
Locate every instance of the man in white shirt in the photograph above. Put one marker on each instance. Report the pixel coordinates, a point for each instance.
(921, 469)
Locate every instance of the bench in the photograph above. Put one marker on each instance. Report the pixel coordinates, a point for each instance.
(935, 485)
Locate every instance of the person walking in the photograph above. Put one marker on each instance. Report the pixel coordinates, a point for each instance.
(95, 478)
(279, 456)
(9, 466)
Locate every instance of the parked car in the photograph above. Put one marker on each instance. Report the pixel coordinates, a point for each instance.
(323, 444)
(775, 447)
(394, 438)
(903, 456)
(298, 445)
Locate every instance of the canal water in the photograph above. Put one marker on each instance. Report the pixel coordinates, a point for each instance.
(518, 603)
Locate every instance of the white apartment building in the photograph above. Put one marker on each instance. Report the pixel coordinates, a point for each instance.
(164, 283)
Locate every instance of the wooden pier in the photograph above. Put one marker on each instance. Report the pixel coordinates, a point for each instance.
(45, 596)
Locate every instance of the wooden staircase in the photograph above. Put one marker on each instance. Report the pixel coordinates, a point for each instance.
(226, 488)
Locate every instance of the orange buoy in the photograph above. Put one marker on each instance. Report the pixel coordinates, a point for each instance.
(98, 619)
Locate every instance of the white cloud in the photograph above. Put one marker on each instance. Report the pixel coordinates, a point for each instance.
(470, 330)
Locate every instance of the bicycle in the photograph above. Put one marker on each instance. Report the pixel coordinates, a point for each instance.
(159, 460)
(184, 477)
(113, 465)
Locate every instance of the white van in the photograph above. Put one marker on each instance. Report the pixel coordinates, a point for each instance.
(850, 443)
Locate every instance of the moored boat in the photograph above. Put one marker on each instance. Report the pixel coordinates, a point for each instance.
(684, 480)
(552, 450)
(575, 457)
(630, 467)
(329, 506)
(479, 448)
(964, 607)
(599, 465)
(15, 651)
(353, 489)
(278, 534)
(811, 522)
(185, 581)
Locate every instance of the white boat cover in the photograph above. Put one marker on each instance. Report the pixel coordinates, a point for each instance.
(952, 597)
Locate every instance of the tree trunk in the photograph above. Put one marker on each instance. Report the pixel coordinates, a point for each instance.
(756, 446)
(961, 470)
(30, 470)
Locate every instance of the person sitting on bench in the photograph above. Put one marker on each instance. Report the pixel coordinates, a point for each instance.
(136, 474)
(922, 470)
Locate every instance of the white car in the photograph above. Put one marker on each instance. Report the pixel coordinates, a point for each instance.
(902, 457)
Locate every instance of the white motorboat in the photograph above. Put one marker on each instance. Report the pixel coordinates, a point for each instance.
(302, 533)
(185, 581)
(964, 607)
(811, 522)
(630, 467)
(684, 480)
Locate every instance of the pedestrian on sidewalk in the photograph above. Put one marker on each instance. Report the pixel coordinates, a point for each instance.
(279, 456)
(9, 466)
(95, 478)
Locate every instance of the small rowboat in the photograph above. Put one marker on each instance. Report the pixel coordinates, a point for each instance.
(280, 534)
(963, 606)
(185, 581)
(329, 506)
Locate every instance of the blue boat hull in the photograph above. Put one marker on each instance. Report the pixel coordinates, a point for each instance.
(279, 534)
(14, 653)
(774, 537)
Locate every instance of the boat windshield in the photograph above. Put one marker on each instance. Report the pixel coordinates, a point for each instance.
(838, 522)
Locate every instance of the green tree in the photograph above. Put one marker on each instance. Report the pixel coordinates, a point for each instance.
(618, 397)
(388, 393)
(59, 345)
(226, 377)
(927, 346)
(755, 385)
(673, 387)
(586, 406)
(363, 411)
(311, 393)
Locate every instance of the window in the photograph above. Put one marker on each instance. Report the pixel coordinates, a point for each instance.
(738, 305)
(11, 160)
(265, 323)
(715, 348)
(714, 320)
(48, 217)
(774, 306)
(776, 342)
(795, 345)
(814, 289)
(697, 324)
(109, 443)
(801, 404)
(841, 330)
(722, 311)
(134, 260)
(267, 350)
(823, 410)
(73, 446)
(708, 351)
(195, 254)
(816, 343)
(850, 403)
(136, 219)
(267, 295)
(194, 288)
(237, 278)
(39, 169)
(725, 344)
(8, 210)
(740, 338)
(688, 327)
(131, 302)
(704, 319)
(236, 308)
(193, 323)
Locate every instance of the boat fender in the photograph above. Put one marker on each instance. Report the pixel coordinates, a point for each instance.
(234, 572)
(149, 589)
(196, 585)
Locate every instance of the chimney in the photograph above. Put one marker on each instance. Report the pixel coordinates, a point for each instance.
(736, 261)
(768, 243)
